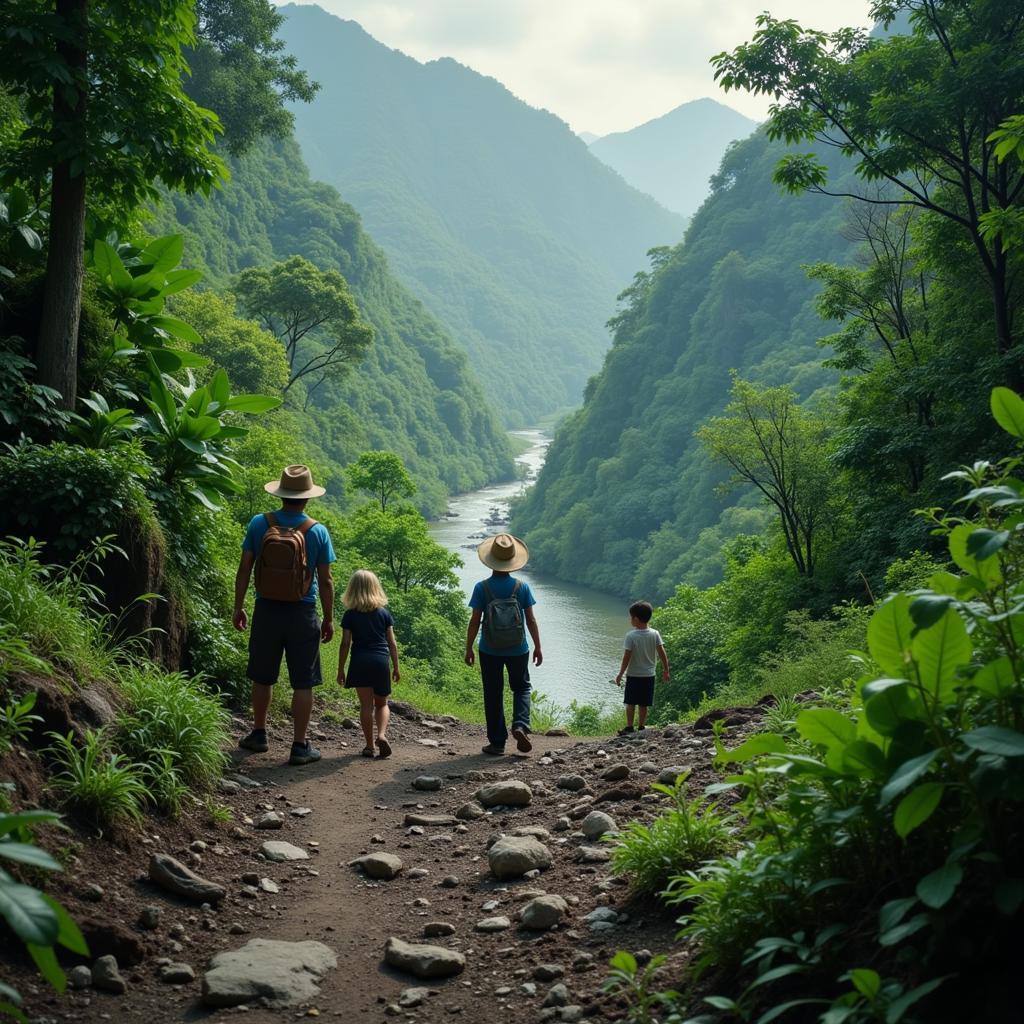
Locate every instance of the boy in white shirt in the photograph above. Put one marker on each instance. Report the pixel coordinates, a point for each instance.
(643, 645)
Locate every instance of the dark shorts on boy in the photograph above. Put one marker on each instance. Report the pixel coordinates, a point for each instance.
(369, 670)
(639, 690)
(289, 628)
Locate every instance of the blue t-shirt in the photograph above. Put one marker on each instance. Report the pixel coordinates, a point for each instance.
(502, 586)
(319, 550)
(369, 632)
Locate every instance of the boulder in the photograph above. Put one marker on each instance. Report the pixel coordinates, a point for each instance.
(513, 856)
(280, 973)
(422, 960)
(573, 783)
(383, 866)
(172, 875)
(277, 850)
(597, 824)
(543, 912)
(508, 793)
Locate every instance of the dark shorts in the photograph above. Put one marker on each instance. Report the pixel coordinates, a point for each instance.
(372, 671)
(639, 690)
(289, 628)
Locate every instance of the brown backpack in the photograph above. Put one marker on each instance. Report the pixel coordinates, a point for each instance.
(282, 569)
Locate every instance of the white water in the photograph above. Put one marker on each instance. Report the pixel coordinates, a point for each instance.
(581, 630)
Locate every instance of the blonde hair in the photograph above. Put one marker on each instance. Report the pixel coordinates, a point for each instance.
(364, 592)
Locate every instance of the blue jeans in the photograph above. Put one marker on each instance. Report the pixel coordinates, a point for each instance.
(492, 671)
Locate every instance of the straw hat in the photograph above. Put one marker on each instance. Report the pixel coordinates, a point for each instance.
(504, 553)
(295, 484)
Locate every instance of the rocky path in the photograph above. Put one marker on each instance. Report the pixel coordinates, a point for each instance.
(495, 863)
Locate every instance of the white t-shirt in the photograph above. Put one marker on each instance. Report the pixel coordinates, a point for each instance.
(644, 644)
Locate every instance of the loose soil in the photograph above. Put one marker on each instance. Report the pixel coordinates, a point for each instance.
(358, 806)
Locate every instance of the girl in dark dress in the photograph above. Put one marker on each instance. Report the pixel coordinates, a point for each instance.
(368, 630)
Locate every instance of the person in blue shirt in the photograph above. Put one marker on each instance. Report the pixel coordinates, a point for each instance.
(287, 627)
(504, 554)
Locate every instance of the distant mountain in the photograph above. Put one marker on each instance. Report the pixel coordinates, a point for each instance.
(494, 213)
(673, 156)
(588, 137)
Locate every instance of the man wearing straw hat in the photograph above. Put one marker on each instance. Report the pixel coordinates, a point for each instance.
(292, 555)
(504, 606)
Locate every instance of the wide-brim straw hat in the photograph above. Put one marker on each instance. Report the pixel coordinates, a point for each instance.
(295, 484)
(504, 553)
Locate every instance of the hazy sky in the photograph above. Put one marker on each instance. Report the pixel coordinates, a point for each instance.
(601, 65)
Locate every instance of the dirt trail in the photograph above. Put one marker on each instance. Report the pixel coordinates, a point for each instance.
(352, 802)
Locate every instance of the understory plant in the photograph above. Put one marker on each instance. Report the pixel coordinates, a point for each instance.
(879, 861)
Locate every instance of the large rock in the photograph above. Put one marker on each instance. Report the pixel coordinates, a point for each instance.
(278, 850)
(281, 973)
(597, 824)
(379, 865)
(508, 792)
(172, 875)
(513, 856)
(422, 960)
(543, 912)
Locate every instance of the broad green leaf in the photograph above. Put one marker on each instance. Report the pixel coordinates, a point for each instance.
(994, 739)
(862, 757)
(11, 1010)
(200, 428)
(927, 609)
(887, 704)
(721, 1002)
(68, 935)
(220, 390)
(867, 982)
(9, 822)
(936, 889)
(179, 280)
(825, 726)
(168, 360)
(987, 570)
(905, 776)
(164, 253)
(623, 961)
(27, 853)
(46, 960)
(917, 807)
(889, 633)
(187, 360)
(762, 743)
(31, 918)
(984, 543)
(894, 911)
(253, 404)
(1008, 410)
(995, 679)
(898, 1007)
(939, 651)
(176, 328)
(111, 270)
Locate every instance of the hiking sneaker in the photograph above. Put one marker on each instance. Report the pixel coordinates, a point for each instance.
(383, 746)
(522, 738)
(493, 749)
(256, 740)
(626, 730)
(304, 753)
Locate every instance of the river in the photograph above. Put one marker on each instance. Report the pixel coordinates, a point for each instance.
(581, 630)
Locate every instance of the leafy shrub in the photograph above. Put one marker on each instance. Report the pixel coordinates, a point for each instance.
(78, 494)
(170, 719)
(36, 919)
(678, 840)
(100, 785)
(16, 721)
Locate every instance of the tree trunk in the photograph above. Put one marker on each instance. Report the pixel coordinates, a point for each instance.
(57, 344)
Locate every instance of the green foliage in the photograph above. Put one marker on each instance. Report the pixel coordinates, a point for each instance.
(37, 920)
(16, 720)
(311, 312)
(915, 778)
(382, 476)
(101, 786)
(680, 839)
(173, 716)
(27, 409)
(238, 70)
(637, 984)
(413, 392)
(104, 427)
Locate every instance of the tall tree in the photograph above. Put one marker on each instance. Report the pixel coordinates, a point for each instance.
(770, 442)
(311, 312)
(239, 70)
(99, 83)
(382, 476)
(916, 112)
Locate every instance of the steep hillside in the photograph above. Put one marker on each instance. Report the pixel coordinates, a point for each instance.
(673, 156)
(414, 393)
(626, 489)
(494, 213)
